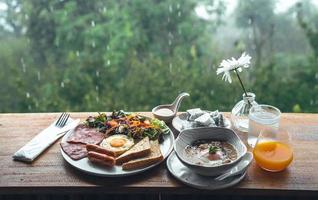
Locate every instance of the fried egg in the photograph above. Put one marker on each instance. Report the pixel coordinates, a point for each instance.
(118, 143)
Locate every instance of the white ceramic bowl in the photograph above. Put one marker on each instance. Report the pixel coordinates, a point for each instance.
(187, 137)
(165, 118)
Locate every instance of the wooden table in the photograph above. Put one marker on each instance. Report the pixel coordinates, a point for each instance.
(51, 174)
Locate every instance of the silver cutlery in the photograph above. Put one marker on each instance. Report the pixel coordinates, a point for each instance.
(239, 168)
(46, 138)
(62, 120)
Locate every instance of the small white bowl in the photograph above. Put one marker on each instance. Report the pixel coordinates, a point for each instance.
(174, 107)
(188, 136)
(165, 118)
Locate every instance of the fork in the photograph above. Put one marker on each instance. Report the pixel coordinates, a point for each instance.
(62, 120)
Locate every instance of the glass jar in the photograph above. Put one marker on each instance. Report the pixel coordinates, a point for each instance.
(261, 117)
(273, 151)
(239, 113)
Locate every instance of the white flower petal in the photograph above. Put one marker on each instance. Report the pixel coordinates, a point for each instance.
(227, 77)
(244, 60)
(228, 65)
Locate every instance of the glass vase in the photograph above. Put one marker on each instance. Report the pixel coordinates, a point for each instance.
(239, 113)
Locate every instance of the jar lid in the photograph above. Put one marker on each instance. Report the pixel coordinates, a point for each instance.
(267, 114)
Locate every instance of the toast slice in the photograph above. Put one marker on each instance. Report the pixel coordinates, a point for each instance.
(154, 157)
(141, 149)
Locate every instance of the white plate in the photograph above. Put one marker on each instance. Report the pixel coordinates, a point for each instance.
(86, 166)
(181, 119)
(186, 176)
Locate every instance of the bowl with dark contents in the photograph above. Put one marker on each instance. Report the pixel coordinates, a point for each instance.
(209, 151)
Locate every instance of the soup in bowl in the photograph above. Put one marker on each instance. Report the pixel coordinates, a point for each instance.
(209, 151)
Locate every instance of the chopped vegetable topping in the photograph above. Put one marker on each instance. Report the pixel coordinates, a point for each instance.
(213, 149)
(130, 124)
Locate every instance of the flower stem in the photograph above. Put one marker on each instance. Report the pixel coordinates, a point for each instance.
(239, 78)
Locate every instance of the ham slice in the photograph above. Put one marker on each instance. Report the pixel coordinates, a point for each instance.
(75, 151)
(85, 135)
(75, 146)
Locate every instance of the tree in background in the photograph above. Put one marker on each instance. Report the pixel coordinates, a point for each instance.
(283, 75)
(309, 28)
(259, 17)
(109, 55)
(104, 55)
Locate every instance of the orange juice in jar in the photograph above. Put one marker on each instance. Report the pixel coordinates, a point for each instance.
(272, 151)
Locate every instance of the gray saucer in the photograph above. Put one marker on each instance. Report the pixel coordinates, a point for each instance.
(186, 176)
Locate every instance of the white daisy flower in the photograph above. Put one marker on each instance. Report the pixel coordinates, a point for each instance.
(229, 65)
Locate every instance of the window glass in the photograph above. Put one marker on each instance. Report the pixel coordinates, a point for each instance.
(78, 55)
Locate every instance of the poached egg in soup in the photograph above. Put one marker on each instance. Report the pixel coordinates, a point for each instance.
(210, 153)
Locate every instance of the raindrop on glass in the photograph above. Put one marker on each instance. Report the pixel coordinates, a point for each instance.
(170, 67)
(39, 75)
(29, 107)
(27, 95)
(170, 8)
(170, 34)
(97, 73)
(170, 42)
(212, 92)
(77, 53)
(316, 76)
(253, 47)
(62, 84)
(92, 23)
(96, 88)
(97, 99)
(104, 9)
(108, 62)
(168, 19)
(108, 48)
(311, 102)
(250, 35)
(179, 14)
(57, 43)
(178, 6)
(249, 21)
(93, 44)
(26, 16)
(23, 65)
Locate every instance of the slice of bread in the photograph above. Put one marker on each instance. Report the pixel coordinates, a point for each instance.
(154, 157)
(141, 149)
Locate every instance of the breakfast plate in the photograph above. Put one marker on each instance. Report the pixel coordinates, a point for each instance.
(84, 165)
(186, 176)
(87, 165)
(180, 121)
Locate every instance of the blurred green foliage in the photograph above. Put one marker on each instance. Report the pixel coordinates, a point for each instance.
(133, 55)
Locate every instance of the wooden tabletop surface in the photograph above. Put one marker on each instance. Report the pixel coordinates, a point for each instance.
(51, 174)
